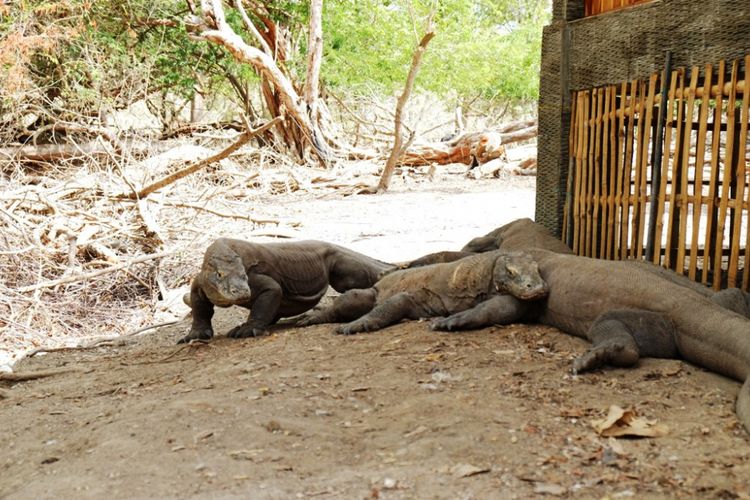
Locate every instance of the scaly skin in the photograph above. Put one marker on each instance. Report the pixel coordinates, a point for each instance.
(473, 287)
(525, 234)
(273, 280)
(626, 314)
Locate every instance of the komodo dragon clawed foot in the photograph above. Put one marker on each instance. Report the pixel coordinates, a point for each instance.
(249, 329)
(205, 333)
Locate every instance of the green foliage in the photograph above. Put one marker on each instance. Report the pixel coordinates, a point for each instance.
(71, 58)
(487, 48)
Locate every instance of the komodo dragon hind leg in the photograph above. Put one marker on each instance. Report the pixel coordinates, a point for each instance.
(621, 337)
(497, 310)
(390, 311)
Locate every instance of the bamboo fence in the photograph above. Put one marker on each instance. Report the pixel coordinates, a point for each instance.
(701, 224)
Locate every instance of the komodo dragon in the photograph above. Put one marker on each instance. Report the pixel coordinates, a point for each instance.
(273, 280)
(473, 283)
(524, 234)
(515, 236)
(626, 314)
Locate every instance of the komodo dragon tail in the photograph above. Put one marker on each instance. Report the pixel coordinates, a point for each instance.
(743, 405)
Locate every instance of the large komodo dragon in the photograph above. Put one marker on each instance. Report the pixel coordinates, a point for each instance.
(525, 234)
(273, 280)
(514, 236)
(626, 314)
(474, 283)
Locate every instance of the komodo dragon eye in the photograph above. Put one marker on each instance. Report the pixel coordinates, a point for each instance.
(512, 272)
(220, 274)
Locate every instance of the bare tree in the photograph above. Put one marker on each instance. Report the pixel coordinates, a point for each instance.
(398, 147)
(300, 128)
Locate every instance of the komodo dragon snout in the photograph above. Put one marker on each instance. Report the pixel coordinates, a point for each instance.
(225, 281)
(518, 274)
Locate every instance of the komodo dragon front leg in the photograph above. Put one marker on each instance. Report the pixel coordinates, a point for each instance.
(346, 307)
(392, 310)
(202, 311)
(621, 337)
(265, 299)
(498, 310)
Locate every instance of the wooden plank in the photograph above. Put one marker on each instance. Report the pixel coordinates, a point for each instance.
(674, 180)
(629, 138)
(726, 181)
(734, 257)
(686, 144)
(666, 155)
(596, 200)
(646, 160)
(621, 125)
(713, 182)
(700, 161)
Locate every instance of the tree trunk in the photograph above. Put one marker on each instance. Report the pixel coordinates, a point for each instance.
(393, 159)
(279, 92)
(314, 59)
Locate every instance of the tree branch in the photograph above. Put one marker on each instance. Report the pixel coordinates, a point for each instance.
(246, 136)
(397, 150)
(99, 272)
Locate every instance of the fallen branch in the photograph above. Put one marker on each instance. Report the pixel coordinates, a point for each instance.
(93, 274)
(246, 136)
(23, 377)
(217, 213)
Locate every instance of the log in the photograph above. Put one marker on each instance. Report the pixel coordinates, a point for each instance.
(473, 149)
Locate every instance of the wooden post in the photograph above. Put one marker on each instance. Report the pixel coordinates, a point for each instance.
(656, 162)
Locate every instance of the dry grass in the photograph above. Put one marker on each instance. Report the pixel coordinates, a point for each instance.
(59, 223)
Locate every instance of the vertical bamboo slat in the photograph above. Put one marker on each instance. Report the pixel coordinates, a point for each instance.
(622, 123)
(595, 202)
(736, 229)
(713, 187)
(629, 138)
(700, 160)
(667, 153)
(679, 266)
(635, 200)
(590, 173)
(604, 191)
(645, 160)
(613, 172)
(746, 264)
(726, 180)
(673, 214)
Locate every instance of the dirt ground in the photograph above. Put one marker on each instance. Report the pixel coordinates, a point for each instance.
(401, 413)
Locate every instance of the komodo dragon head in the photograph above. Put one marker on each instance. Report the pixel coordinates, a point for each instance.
(517, 274)
(224, 277)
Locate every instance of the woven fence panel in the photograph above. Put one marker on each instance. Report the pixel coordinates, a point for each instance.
(701, 225)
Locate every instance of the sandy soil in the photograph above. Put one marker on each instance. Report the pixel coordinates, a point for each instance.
(401, 413)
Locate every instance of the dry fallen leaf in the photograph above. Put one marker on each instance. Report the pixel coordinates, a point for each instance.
(466, 470)
(621, 422)
(549, 489)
